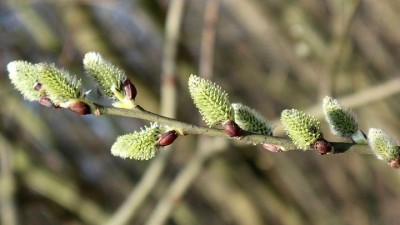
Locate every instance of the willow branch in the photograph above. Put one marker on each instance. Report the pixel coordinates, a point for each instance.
(191, 129)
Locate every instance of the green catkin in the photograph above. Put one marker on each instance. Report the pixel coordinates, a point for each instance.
(211, 100)
(24, 77)
(250, 120)
(304, 130)
(383, 146)
(139, 145)
(60, 86)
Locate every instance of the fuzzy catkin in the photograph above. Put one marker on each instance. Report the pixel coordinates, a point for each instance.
(304, 130)
(211, 100)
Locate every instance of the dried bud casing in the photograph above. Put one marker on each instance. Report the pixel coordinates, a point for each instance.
(395, 163)
(38, 87)
(232, 129)
(167, 138)
(322, 146)
(272, 147)
(79, 107)
(130, 89)
(44, 101)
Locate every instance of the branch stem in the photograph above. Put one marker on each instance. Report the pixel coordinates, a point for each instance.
(190, 129)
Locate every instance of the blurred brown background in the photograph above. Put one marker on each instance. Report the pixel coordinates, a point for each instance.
(56, 167)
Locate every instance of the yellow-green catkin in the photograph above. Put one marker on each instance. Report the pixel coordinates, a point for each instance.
(24, 77)
(303, 129)
(383, 145)
(342, 121)
(108, 76)
(139, 145)
(211, 100)
(250, 120)
(60, 86)
(110, 79)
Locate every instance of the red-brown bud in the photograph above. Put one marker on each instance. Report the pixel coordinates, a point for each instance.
(395, 163)
(130, 89)
(80, 108)
(167, 138)
(232, 129)
(322, 146)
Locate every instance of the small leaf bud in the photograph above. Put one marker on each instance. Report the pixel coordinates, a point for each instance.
(322, 146)
(232, 129)
(44, 101)
(38, 87)
(130, 89)
(167, 138)
(79, 107)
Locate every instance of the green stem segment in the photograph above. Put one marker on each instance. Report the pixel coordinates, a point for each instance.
(187, 129)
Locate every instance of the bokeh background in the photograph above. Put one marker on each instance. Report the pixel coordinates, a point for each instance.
(56, 167)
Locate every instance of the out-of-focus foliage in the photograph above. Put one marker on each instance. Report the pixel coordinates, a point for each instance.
(270, 55)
